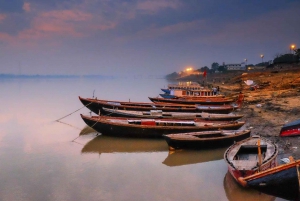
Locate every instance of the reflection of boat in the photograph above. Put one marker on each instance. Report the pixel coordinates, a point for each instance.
(235, 192)
(251, 155)
(187, 157)
(106, 144)
(87, 130)
(281, 181)
(151, 128)
(159, 114)
(205, 139)
(290, 129)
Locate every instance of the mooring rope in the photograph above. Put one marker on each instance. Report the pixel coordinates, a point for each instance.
(73, 112)
(69, 125)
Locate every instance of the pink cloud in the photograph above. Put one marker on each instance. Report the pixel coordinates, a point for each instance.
(2, 17)
(5, 37)
(56, 23)
(26, 7)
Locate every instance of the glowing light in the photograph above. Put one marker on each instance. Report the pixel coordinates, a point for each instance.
(293, 47)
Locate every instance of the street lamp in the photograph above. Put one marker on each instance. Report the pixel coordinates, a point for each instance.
(292, 47)
(246, 61)
(262, 58)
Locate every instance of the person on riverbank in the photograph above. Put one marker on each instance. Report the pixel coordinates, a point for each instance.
(218, 90)
(240, 99)
(214, 90)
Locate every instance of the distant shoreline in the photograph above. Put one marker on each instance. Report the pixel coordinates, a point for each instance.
(13, 76)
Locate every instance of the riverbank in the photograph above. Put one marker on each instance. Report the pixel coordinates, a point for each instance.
(274, 102)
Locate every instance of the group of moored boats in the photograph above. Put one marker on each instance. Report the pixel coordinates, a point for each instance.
(198, 122)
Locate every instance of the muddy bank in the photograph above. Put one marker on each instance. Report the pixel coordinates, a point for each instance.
(274, 102)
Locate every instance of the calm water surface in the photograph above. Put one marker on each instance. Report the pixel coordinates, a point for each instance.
(42, 159)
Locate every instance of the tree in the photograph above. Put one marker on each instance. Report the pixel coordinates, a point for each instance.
(286, 58)
(297, 52)
(214, 66)
(222, 69)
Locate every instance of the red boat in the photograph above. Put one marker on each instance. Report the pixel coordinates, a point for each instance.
(290, 129)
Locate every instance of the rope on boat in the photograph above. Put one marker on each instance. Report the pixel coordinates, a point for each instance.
(69, 125)
(73, 112)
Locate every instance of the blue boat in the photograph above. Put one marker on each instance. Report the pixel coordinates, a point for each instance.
(167, 91)
(281, 181)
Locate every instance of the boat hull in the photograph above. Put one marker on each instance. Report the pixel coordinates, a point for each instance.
(290, 129)
(110, 128)
(97, 105)
(193, 101)
(284, 184)
(187, 116)
(204, 143)
(281, 181)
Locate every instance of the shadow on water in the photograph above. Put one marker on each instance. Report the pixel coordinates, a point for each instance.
(235, 192)
(87, 130)
(185, 157)
(107, 144)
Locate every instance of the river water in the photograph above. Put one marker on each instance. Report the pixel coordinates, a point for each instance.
(42, 159)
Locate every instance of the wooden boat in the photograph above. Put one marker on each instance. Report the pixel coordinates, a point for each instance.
(96, 106)
(184, 93)
(290, 129)
(249, 156)
(189, 89)
(193, 101)
(205, 139)
(235, 192)
(159, 114)
(281, 181)
(152, 128)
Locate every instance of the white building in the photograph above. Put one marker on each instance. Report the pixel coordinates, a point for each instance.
(240, 66)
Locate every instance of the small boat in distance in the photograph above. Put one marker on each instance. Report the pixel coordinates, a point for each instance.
(205, 139)
(153, 128)
(249, 156)
(159, 114)
(182, 86)
(281, 181)
(290, 129)
(193, 101)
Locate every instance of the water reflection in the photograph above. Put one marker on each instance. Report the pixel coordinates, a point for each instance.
(107, 144)
(87, 130)
(186, 157)
(234, 192)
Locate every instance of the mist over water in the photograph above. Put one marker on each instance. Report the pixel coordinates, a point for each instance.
(42, 159)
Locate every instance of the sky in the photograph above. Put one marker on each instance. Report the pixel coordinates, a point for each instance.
(141, 37)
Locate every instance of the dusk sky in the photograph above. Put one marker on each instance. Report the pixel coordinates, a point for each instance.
(141, 37)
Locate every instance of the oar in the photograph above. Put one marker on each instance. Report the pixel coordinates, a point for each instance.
(259, 156)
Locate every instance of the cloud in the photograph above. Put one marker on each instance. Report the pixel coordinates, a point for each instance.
(55, 23)
(183, 30)
(151, 6)
(26, 7)
(2, 17)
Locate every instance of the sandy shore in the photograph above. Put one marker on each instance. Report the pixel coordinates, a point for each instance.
(266, 109)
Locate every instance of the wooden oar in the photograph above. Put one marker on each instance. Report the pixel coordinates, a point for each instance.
(259, 156)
